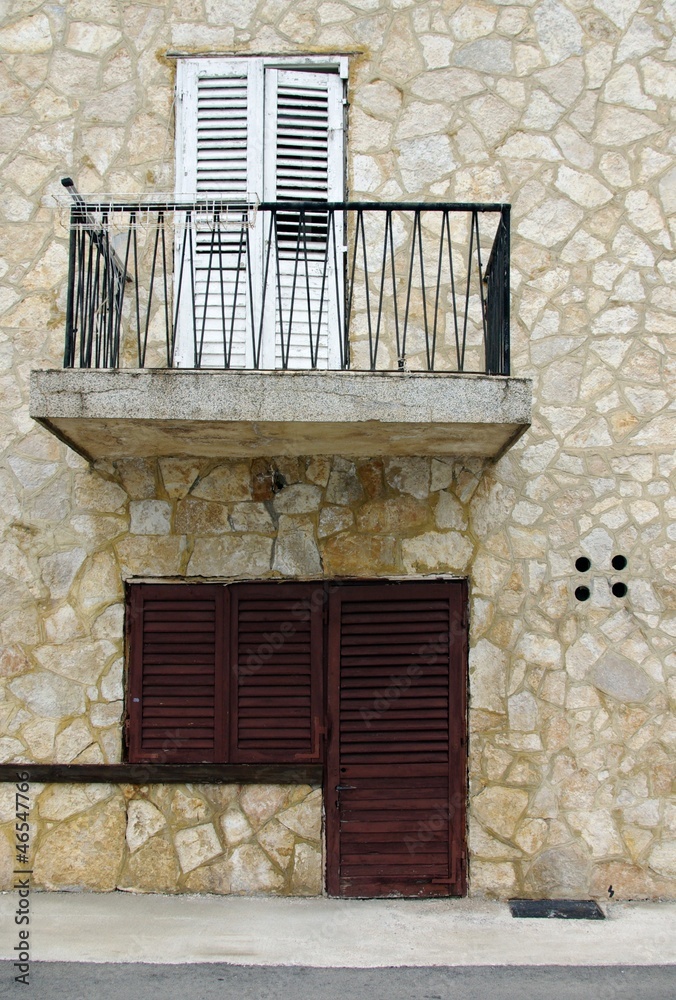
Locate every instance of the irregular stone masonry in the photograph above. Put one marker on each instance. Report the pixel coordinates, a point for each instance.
(562, 109)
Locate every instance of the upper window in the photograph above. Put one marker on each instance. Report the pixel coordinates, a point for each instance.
(270, 131)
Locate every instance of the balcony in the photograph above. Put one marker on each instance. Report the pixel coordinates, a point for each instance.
(229, 329)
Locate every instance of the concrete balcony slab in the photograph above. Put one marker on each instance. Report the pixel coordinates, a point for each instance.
(157, 412)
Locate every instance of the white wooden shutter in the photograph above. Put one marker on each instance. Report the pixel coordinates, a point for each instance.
(246, 129)
(220, 155)
(303, 146)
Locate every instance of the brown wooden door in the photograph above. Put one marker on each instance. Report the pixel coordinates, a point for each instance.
(396, 774)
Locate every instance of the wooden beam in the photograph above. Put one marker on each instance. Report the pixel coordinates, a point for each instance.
(146, 774)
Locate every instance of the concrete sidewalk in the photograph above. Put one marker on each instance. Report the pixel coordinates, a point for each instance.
(324, 933)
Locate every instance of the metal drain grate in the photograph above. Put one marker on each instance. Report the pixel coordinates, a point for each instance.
(564, 909)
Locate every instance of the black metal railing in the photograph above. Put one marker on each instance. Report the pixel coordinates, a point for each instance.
(288, 285)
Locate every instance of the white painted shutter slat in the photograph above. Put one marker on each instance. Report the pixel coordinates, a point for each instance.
(298, 109)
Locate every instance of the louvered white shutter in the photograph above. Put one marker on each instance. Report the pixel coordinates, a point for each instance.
(219, 153)
(246, 129)
(303, 146)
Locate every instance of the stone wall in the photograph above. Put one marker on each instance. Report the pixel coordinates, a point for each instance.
(562, 109)
(163, 838)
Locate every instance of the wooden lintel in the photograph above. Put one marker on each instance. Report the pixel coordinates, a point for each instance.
(158, 774)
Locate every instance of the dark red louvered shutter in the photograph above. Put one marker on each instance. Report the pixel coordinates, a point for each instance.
(176, 698)
(276, 673)
(396, 782)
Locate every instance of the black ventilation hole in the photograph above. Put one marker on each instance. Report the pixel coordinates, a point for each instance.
(582, 593)
(583, 565)
(619, 562)
(619, 589)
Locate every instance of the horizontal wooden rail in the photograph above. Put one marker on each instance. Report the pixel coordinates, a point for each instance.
(146, 774)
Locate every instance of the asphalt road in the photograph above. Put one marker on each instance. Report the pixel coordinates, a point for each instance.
(84, 981)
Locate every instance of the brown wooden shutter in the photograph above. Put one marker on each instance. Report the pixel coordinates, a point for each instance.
(176, 698)
(395, 795)
(276, 672)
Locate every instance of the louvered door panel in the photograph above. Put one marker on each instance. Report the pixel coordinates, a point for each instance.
(276, 676)
(213, 253)
(303, 163)
(177, 652)
(395, 787)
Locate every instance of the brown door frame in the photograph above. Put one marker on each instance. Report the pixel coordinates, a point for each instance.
(458, 742)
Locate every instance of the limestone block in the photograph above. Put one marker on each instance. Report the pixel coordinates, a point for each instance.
(560, 872)
(201, 517)
(252, 871)
(179, 475)
(38, 736)
(488, 55)
(493, 878)
(296, 552)
(109, 714)
(100, 582)
(558, 30)
(59, 570)
(247, 556)
(487, 672)
(398, 514)
(226, 482)
(299, 498)
(30, 34)
(333, 520)
(248, 516)
(11, 750)
(663, 858)
(196, 845)
(235, 826)
(278, 842)
(85, 852)
(499, 809)
(344, 487)
(72, 740)
(482, 845)
(307, 876)
(531, 835)
(143, 821)
(436, 551)
(150, 517)
(59, 802)
(13, 661)
(305, 818)
(150, 555)
(49, 695)
(213, 878)
(137, 476)
(522, 711)
(350, 554)
(79, 660)
(186, 808)
(618, 677)
(261, 802)
(152, 868)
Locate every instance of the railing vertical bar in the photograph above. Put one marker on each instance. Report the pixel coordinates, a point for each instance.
(325, 269)
(383, 271)
(193, 303)
(481, 289)
(373, 348)
(453, 295)
(400, 356)
(168, 332)
(266, 273)
(423, 290)
(469, 281)
(150, 295)
(132, 222)
(69, 348)
(408, 290)
(206, 294)
(179, 290)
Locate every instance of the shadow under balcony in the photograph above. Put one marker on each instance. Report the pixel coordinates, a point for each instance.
(222, 329)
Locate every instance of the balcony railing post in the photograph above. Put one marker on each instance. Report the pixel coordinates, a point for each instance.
(506, 215)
